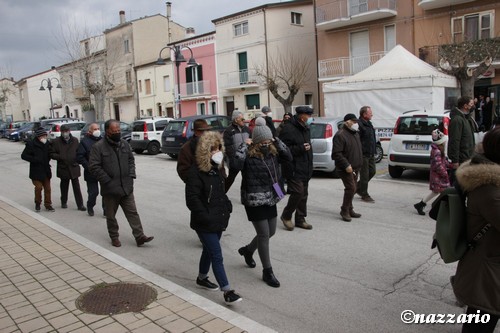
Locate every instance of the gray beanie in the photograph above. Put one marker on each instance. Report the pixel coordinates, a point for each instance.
(265, 109)
(236, 114)
(261, 132)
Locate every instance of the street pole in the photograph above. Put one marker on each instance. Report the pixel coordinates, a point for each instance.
(51, 103)
(178, 65)
(49, 87)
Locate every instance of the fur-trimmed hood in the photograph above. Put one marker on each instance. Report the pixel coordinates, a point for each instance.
(204, 150)
(477, 172)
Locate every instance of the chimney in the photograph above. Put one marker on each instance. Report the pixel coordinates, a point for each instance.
(190, 32)
(169, 10)
(122, 16)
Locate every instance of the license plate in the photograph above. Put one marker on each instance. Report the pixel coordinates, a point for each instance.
(136, 136)
(170, 139)
(417, 146)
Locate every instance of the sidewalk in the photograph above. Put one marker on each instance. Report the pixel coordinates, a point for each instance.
(44, 268)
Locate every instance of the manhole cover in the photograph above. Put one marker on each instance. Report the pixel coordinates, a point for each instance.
(114, 298)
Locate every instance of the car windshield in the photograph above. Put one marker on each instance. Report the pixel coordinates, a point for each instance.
(419, 125)
(175, 127)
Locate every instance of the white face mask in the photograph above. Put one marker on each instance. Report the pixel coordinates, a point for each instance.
(218, 157)
(43, 140)
(96, 133)
(269, 114)
(355, 127)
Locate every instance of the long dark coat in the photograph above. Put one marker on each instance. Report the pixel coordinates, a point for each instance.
(65, 155)
(461, 136)
(37, 154)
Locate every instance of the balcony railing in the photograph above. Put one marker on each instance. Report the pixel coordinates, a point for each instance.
(239, 79)
(195, 89)
(347, 12)
(344, 66)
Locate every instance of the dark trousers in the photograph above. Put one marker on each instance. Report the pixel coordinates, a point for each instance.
(75, 184)
(231, 177)
(212, 255)
(350, 181)
(92, 193)
(489, 327)
(45, 186)
(297, 202)
(127, 202)
(366, 173)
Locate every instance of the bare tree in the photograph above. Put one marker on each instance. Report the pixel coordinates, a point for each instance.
(456, 59)
(284, 76)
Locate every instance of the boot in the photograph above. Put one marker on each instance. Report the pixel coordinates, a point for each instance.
(354, 214)
(247, 255)
(345, 215)
(420, 207)
(269, 278)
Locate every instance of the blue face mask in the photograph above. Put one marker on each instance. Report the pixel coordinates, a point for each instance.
(309, 121)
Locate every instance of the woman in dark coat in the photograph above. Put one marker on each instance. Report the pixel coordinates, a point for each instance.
(261, 191)
(477, 280)
(37, 153)
(210, 209)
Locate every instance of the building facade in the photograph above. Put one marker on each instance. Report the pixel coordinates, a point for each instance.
(9, 101)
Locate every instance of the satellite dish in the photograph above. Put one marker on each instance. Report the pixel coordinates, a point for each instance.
(444, 64)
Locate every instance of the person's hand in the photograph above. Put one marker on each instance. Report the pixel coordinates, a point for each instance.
(248, 141)
(348, 169)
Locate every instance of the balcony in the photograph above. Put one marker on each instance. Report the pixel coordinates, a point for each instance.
(195, 90)
(433, 4)
(337, 68)
(239, 80)
(343, 13)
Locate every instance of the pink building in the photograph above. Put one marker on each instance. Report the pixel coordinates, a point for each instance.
(198, 84)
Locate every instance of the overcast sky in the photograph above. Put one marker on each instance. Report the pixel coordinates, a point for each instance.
(29, 29)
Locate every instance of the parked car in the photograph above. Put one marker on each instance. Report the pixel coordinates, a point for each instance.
(13, 127)
(125, 129)
(16, 135)
(146, 134)
(180, 130)
(75, 128)
(3, 129)
(322, 131)
(45, 123)
(410, 145)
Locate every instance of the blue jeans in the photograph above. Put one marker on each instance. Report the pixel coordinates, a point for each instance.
(212, 254)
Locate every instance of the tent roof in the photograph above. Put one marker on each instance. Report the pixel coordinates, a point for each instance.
(397, 68)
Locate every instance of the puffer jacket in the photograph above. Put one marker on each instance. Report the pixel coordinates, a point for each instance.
(83, 155)
(37, 154)
(64, 152)
(205, 192)
(438, 178)
(113, 165)
(477, 280)
(294, 134)
(461, 136)
(260, 173)
(347, 150)
(234, 136)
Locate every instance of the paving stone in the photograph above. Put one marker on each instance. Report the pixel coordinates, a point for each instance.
(178, 326)
(33, 324)
(63, 320)
(112, 328)
(216, 326)
(157, 312)
(150, 328)
(191, 313)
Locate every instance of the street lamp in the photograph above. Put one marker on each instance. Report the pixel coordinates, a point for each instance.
(49, 86)
(179, 58)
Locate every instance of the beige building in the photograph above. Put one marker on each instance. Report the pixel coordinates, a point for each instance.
(9, 101)
(257, 38)
(156, 88)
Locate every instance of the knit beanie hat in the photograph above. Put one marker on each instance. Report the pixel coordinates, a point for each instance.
(40, 132)
(438, 137)
(236, 114)
(261, 132)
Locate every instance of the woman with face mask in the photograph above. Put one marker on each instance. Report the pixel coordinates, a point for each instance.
(261, 191)
(210, 209)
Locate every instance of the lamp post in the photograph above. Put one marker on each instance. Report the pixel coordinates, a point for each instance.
(179, 58)
(49, 85)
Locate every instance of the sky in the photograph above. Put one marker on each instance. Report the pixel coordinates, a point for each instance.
(31, 30)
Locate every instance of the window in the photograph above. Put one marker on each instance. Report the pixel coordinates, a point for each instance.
(308, 98)
(194, 80)
(160, 125)
(212, 107)
(140, 86)
(358, 6)
(390, 37)
(128, 79)
(150, 112)
(240, 29)
(72, 82)
(87, 48)
(253, 101)
(296, 18)
(166, 83)
(126, 46)
(147, 84)
(472, 27)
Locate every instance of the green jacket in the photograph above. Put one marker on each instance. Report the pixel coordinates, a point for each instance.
(461, 136)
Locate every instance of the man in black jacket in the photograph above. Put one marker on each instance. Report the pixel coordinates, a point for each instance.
(266, 110)
(234, 136)
(369, 145)
(112, 163)
(37, 153)
(348, 156)
(296, 135)
(82, 157)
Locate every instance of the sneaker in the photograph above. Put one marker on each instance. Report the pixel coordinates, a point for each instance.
(367, 198)
(303, 225)
(90, 211)
(287, 223)
(82, 208)
(37, 208)
(231, 297)
(50, 209)
(205, 283)
(64, 205)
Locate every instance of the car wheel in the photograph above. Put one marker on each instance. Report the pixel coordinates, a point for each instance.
(395, 171)
(173, 156)
(379, 153)
(153, 148)
(138, 151)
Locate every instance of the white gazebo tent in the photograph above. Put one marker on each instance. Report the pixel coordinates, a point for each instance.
(396, 83)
